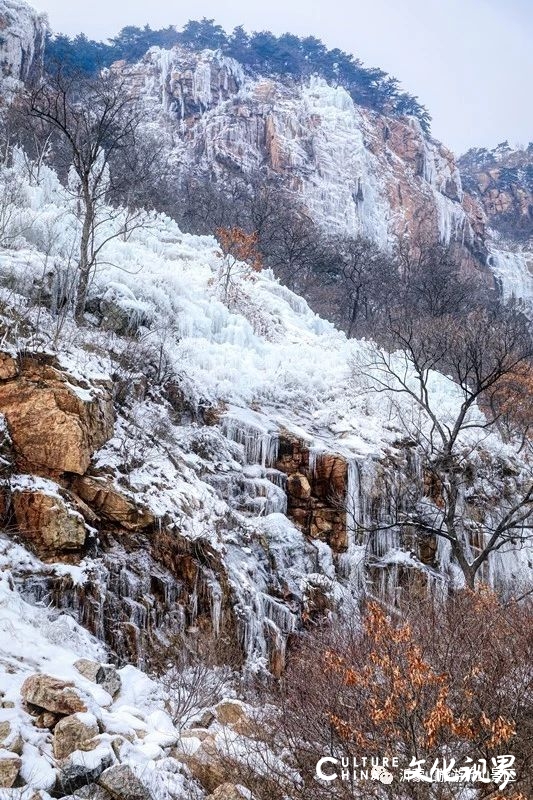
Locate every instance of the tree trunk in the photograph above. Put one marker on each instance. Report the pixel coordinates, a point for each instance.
(84, 269)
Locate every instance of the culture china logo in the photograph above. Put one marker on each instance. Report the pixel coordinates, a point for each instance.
(500, 771)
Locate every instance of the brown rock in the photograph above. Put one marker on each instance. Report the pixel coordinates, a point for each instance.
(10, 765)
(122, 784)
(46, 720)
(87, 668)
(229, 791)
(55, 424)
(10, 738)
(8, 367)
(52, 694)
(74, 733)
(47, 521)
(108, 501)
(298, 487)
(329, 525)
(330, 477)
(229, 712)
(206, 765)
(300, 517)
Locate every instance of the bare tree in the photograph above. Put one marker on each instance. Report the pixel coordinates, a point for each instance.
(479, 351)
(92, 122)
(362, 281)
(433, 282)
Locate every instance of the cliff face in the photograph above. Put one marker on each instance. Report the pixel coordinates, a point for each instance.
(502, 181)
(355, 170)
(22, 32)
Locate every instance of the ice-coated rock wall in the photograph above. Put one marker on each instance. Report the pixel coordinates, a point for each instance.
(22, 32)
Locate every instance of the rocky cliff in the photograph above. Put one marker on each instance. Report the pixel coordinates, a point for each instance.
(356, 170)
(211, 475)
(502, 180)
(22, 32)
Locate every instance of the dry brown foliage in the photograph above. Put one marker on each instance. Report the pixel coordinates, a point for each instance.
(241, 246)
(452, 681)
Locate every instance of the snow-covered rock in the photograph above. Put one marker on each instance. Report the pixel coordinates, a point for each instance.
(21, 44)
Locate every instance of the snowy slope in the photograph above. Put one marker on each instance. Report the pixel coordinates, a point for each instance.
(261, 363)
(262, 358)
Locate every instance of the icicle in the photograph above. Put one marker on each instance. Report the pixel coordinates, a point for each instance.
(278, 613)
(201, 84)
(514, 272)
(215, 594)
(260, 445)
(353, 499)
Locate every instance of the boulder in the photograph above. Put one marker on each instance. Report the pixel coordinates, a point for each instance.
(230, 791)
(74, 732)
(52, 694)
(106, 675)
(206, 764)
(10, 738)
(10, 765)
(109, 679)
(229, 712)
(87, 668)
(46, 521)
(55, 423)
(82, 768)
(90, 792)
(46, 720)
(102, 496)
(122, 783)
(8, 367)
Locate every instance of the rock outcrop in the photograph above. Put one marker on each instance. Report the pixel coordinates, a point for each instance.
(316, 491)
(45, 520)
(104, 498)
(501, 181)
(55, 421)
(22, 38)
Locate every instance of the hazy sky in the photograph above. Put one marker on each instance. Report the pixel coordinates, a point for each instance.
(469, 61)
